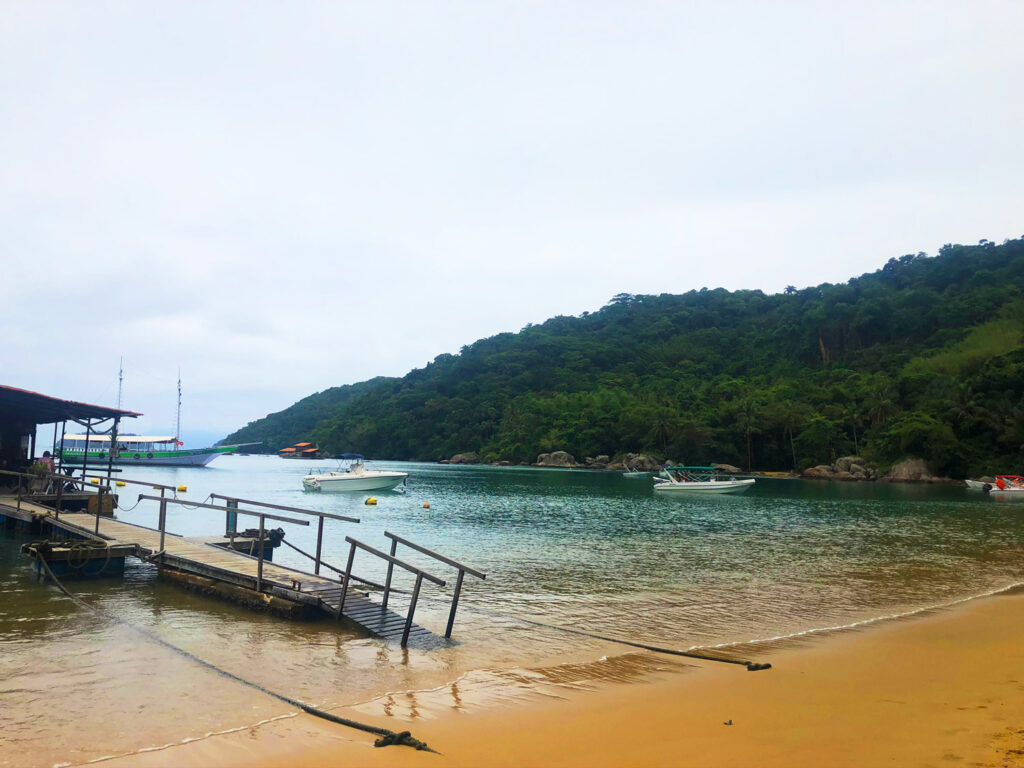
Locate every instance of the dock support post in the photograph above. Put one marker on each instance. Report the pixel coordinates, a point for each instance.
(99, 508)
(21, 480)
(391, 567)
(259, 564)
(455, 604)
(319, 543)
(163, 521)
(344, 581)
(412, 609)
(60, 490)
(113, 447)
(231, 519)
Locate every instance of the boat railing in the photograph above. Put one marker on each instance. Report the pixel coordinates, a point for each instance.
(263, 516)
(391, 561)
(462, 568)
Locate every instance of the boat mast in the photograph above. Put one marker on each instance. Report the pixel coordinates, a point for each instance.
(120, 382)
(177, 426)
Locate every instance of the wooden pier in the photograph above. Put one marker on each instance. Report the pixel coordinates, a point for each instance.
(253, 578)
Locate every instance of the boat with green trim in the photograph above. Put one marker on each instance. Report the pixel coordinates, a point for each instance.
(148, 450)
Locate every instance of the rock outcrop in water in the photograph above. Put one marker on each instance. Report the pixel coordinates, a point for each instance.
(844, 468)
(465, 458)
(557, 459)
(913, 471)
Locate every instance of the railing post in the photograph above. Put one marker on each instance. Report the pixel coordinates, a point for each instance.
(99, 508)
(319, 543)
(455, 603)
(412, 609)
(20, 481)
(231, 519)
(60, 490)
(259, 564)
(391, 567)
(344, 581)
(163, 521)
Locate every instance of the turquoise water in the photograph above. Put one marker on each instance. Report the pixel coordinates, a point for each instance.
(588, 550)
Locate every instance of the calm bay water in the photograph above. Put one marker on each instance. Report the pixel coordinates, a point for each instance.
(589, 550)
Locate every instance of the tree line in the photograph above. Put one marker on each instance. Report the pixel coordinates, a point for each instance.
(923, 358)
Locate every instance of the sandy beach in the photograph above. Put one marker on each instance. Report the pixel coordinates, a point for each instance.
(942, 689)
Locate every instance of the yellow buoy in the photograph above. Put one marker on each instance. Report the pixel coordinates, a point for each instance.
(182, 488)
(372, 500)
(94, 481)
(120, 483)
(426, 505)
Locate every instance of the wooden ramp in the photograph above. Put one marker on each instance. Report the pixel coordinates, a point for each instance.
(202, 557)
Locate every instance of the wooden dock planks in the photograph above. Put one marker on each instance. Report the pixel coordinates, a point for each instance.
(201, 556)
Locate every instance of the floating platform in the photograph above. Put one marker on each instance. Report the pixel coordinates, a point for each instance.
(205, 564)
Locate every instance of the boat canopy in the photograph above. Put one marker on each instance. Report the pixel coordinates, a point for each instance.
(125, 439)
(351, 456)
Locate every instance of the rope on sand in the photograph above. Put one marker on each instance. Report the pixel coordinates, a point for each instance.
(388, 738)
(752, 666)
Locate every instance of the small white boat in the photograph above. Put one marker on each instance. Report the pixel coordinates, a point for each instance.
(977, 485)
(635, 473)
(355, 478)
(699, 480)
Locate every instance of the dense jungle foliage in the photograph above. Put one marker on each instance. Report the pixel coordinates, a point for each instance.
(923, 358)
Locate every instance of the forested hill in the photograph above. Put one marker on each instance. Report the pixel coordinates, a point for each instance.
(924, 357)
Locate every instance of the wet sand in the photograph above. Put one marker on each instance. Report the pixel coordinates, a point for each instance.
(944, 689)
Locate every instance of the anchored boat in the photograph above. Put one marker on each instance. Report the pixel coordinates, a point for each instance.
(356, 477)
(1004, 485)
(699, 480)
(157, 450)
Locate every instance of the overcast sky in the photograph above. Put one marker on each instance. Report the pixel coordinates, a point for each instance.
(280, 197)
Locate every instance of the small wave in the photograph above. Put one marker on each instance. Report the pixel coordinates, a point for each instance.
(862, 622)
(186, 740)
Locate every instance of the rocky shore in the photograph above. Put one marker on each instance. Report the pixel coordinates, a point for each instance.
(844, 469)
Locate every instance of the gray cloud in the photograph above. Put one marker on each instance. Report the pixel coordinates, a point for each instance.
(282, 198)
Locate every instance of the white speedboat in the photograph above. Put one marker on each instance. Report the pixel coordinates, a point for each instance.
(1007, 485)
(698, 480)
(356, 477)
(635, 473)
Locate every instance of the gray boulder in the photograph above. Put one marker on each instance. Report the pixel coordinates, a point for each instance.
(821, 471)
(641, 462)
(556, 459)
(910, 471)
(465, 458)
(846, 463)
(727, 468)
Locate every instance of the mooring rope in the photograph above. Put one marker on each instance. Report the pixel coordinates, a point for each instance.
(752, 666)
(388, 738)
(187, 505)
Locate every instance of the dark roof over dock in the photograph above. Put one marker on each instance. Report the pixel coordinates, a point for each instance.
(43, 409)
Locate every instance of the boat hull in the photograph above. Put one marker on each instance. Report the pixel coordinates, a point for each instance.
(340, 484)
(709, 486)
(184, 458)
